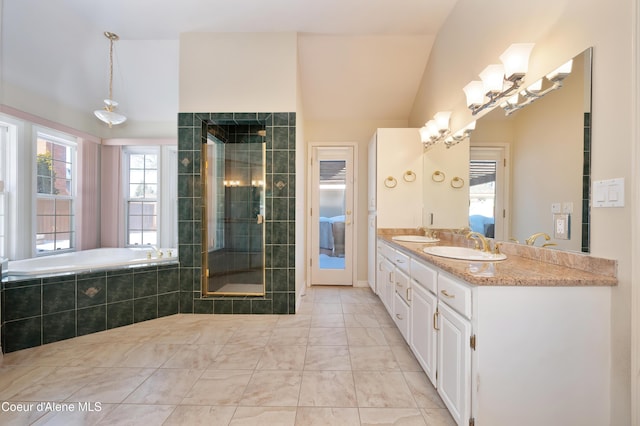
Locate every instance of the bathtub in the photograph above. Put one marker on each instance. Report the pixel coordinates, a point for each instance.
(89, 261)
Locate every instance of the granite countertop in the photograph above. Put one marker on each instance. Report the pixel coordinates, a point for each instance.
(514, 271)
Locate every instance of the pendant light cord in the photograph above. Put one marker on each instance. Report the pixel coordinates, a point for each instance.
(111, 37)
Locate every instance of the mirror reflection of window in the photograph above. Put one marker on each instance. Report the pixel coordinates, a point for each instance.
(482, 197)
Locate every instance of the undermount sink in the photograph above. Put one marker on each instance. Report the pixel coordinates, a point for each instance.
(414, 239)
(464, 253)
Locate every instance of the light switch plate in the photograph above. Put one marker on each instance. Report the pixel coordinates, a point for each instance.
(555, 207)
(561, 226)
(608, 193)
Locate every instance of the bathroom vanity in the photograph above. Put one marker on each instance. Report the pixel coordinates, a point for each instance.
(522, 341)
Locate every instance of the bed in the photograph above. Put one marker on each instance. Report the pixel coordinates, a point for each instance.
(332, 234)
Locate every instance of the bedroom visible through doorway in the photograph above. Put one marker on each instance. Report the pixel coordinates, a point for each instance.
(332, 215)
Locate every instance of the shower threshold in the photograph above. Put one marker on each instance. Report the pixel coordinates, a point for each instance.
(240, 288)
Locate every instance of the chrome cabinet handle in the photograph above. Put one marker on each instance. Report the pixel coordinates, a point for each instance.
(398, 316)
(408, 294)
(435, 320)
(445, 294)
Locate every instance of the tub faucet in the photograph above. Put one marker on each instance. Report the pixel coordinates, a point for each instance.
(158, 252)
(532, 239)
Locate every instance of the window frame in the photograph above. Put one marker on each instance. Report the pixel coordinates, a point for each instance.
(70, 142)
(4, 212)
(127, 199)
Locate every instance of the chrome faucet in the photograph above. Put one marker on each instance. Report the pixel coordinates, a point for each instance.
(532, 239)
(479, 238)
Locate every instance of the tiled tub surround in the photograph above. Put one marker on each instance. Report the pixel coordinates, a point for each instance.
(524, 266)
(45, 310)
(280, 142)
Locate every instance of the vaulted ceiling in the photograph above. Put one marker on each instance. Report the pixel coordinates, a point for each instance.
(359, 59)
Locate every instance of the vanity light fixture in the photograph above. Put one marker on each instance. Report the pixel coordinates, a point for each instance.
(535, 92)
(460, 135)
(499, 81)
(107, 114)
(436, 130)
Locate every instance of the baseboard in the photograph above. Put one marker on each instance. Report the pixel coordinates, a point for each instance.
(361, 283)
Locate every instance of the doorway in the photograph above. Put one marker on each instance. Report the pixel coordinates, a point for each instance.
(487, 192)
(331, 215)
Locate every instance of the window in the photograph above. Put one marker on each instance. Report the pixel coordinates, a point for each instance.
(4, 135)
(141, 189)
(55, 196)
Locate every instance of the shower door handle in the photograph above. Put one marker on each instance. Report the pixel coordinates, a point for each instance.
(260, 219)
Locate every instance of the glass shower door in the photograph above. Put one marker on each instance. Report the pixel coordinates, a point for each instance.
(235, 214)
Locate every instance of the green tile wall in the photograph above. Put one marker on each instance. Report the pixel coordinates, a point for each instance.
(49, 309)
(586, 183)
(279, 297)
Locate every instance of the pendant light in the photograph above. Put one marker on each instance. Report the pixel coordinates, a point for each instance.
(107, 114)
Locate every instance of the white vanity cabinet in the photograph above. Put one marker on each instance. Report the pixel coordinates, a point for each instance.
(454, 347)
(386, 283)
(385, 275)
(504, 355)
(423, 337)
(399, 291)
(401, 302)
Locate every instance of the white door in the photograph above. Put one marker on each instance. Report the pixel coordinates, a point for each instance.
(454, 363)
(487, 192)
(332, 214)
(423, 331)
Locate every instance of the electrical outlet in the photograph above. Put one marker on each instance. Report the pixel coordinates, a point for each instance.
(561, 226)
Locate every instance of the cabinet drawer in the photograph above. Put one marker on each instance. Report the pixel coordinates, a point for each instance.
(401, 316)
(425, 276)
(386, 250)
(402, 285)
(401, 261)
(455, 294)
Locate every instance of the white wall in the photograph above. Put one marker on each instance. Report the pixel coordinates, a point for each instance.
(81, 121)
(469, 41)
(254, 72)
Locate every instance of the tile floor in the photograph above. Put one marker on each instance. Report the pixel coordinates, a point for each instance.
(339, 361)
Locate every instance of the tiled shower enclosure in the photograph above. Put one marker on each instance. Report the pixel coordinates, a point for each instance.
(279, 297)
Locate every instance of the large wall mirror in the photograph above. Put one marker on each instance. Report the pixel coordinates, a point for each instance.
(545, 186)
